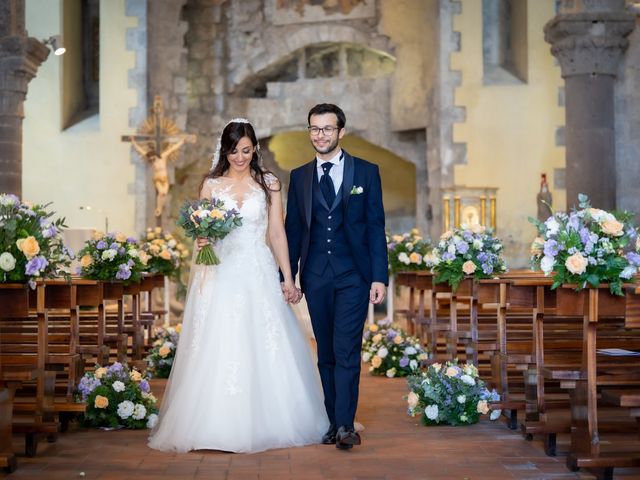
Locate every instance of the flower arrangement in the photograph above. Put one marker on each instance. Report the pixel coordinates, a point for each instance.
(589, 246)
(31, 245)
(210, 219)
(160, 358)
(117, 397)
(470, 250)
(164, 253)
(112, 256)
(390, 351)
(450, 394)
(407, 251)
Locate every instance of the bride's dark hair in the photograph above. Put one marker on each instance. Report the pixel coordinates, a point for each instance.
(231, 135)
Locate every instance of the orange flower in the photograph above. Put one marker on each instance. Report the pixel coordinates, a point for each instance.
(29, 246)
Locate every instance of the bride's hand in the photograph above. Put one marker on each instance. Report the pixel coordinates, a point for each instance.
(201, 242)
(289, 290)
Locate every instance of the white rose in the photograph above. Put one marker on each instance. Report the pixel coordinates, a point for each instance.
(431, 412)
(404, 258)
(139, 411)
(152, 420)
(366, 356)
(109, 254)
(7, 262)
(413, 364)
(552, 226)
(468, 380)
(391, 372)
(410, 351)
(409, 246)
(172, 243)
(383, 352)
(125, 409)
(477, 244)
(118, 386)
(495, 414)
(133, 253)
(451, 249)
(547, 263)
(461, 398)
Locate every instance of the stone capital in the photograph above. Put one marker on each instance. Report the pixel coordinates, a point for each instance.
(20, 58)
(588, 43)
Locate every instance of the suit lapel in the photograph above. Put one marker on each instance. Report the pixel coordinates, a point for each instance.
(347, 178)
(307, 190)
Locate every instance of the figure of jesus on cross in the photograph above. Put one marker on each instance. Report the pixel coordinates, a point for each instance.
(158, 140)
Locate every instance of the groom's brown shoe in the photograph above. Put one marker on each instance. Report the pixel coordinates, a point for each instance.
(346, 438)
(329, 438)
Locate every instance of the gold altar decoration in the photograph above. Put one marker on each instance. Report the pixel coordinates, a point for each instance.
(469, 206)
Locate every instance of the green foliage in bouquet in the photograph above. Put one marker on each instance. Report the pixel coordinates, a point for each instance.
(161, 356)
(390, 351)
(408, 251)
(467, 251)
(589, 246)
(31, 245)
(111, 256)
(209, 219)
(450, 394)
(117, 397)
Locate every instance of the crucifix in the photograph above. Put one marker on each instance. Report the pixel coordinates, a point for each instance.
(158, 141)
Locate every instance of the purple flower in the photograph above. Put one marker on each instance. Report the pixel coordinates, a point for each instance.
(144, 386)
(131, 240)
(483, 256)
(487, 268)
(50, 231)
(36, 265)
(584, 235)
(392, 245)
(124, 272)
(551, 248)
(115, 368)
(121, 251)
(87, 385)
(391, 334)
(114, 246)
(446, 256)
(101, 245)
(130, 263)
(634, 259)
(574, 222)
(367, 334)
(468, 236)
(462, 247)
(404, 361)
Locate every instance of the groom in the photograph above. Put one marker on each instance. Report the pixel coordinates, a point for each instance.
(335, 229)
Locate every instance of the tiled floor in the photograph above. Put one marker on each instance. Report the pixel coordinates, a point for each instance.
(395, 446)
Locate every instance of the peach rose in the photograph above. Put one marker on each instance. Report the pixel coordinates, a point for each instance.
(216, 214)
(135, 375)
(144, 258)
(101, 402)
(612, 227)
(373, 328)
(482, 407)
(29, 246)
(412, 400)
(154, 249)
(398, 339)
(179, 328)
(415, 258)
(451, 372)
(576, 263)
(376, 361)
(377, 338)
(164, 351)
(97, 235)
(445, 235)
(468, 267)
(86, 260)
(165, 255)
(121, 237)
(99, 373)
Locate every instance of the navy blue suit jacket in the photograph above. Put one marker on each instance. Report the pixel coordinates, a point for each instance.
(363, 217)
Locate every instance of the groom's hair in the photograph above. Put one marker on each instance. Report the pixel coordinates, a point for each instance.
(323, 108)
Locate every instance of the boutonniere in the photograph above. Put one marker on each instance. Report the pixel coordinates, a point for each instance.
(357, 190)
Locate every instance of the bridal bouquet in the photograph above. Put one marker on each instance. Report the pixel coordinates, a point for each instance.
(390, 351)
(117, 397)
(165, 254)
(112, 256)
(31, 245)
(204, 218)
(470, 250)
(160, 358)
(589, 246)
(407, 251)
(450, 394)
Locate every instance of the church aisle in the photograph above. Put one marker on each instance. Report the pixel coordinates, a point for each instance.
(395, 447)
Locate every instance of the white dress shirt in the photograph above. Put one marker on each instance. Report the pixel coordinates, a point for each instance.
(337, 171)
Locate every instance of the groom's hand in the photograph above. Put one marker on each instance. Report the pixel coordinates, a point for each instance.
(377, 292)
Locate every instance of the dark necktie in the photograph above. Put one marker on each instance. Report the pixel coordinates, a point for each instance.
(326, 184)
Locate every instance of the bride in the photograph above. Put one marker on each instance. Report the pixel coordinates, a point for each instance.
(243, 379)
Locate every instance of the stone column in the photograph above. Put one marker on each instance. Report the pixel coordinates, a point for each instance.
(588, 37)
(20, 57)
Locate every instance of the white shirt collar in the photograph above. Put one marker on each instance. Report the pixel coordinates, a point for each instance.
(335, 159)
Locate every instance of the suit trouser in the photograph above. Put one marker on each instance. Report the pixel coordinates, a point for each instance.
(338, 306)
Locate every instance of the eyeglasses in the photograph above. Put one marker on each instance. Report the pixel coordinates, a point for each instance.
(328, 130)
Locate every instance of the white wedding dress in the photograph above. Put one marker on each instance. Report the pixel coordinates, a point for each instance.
(244, 379)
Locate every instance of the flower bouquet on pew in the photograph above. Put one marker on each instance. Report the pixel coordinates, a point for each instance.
(112, 256)
(470, 250)
(450, 394)
(589, 246)
(164, 252)
(390, 351)
(407, 251)
(117, 397)
(31, 245)
(210, 219)
(165, 343)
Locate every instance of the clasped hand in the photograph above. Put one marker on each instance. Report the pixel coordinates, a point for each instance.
(290, 292)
